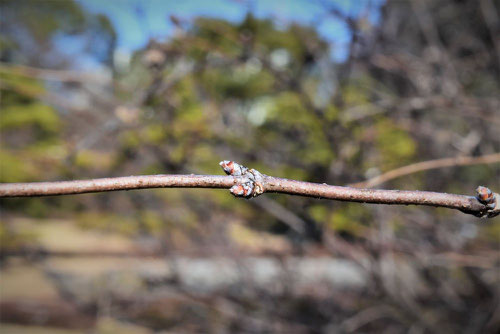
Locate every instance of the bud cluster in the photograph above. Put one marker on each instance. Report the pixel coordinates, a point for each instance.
(251, 185)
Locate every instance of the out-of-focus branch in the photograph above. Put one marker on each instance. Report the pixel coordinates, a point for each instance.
(491, 19)
(54, 75)
(282, 214)
(426, 165)
(244, 182)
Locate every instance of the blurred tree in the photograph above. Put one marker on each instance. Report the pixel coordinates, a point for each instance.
(422, 84)
(31, 127)
(33, 31)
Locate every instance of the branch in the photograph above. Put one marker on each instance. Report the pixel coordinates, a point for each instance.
(113, 184)
(426, 165)
(248, 183)
(53, 75)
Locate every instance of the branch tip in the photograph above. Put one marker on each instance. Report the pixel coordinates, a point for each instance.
(490, 200)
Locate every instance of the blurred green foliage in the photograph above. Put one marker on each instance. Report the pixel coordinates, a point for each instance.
(42, 118)
(396, 147)
(30, 129)
(270, 97)
(13, 83)
(14, 169)
(250, 95)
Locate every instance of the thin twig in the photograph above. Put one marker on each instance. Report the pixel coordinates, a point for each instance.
(244, 182)
(115, 183)
(426, 165)
(467, 204)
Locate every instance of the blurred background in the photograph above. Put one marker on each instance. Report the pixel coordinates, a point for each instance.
(323, 91)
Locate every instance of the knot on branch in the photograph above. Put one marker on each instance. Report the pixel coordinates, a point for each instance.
(490, 200)
(250, 181)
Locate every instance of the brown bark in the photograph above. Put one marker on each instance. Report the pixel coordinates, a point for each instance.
(256, 183)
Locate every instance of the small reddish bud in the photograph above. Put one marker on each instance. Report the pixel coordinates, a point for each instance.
(484, 195)
(227, 166)
(242, 190)
(233, 168)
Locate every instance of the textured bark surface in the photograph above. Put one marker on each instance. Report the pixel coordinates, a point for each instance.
(244, 182)
(376, 196)
(113, 184)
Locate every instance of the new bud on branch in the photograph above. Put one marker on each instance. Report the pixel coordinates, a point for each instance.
(247, 183)
(242, 190)
(490, 199)
(251, 183)
(233, 168)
